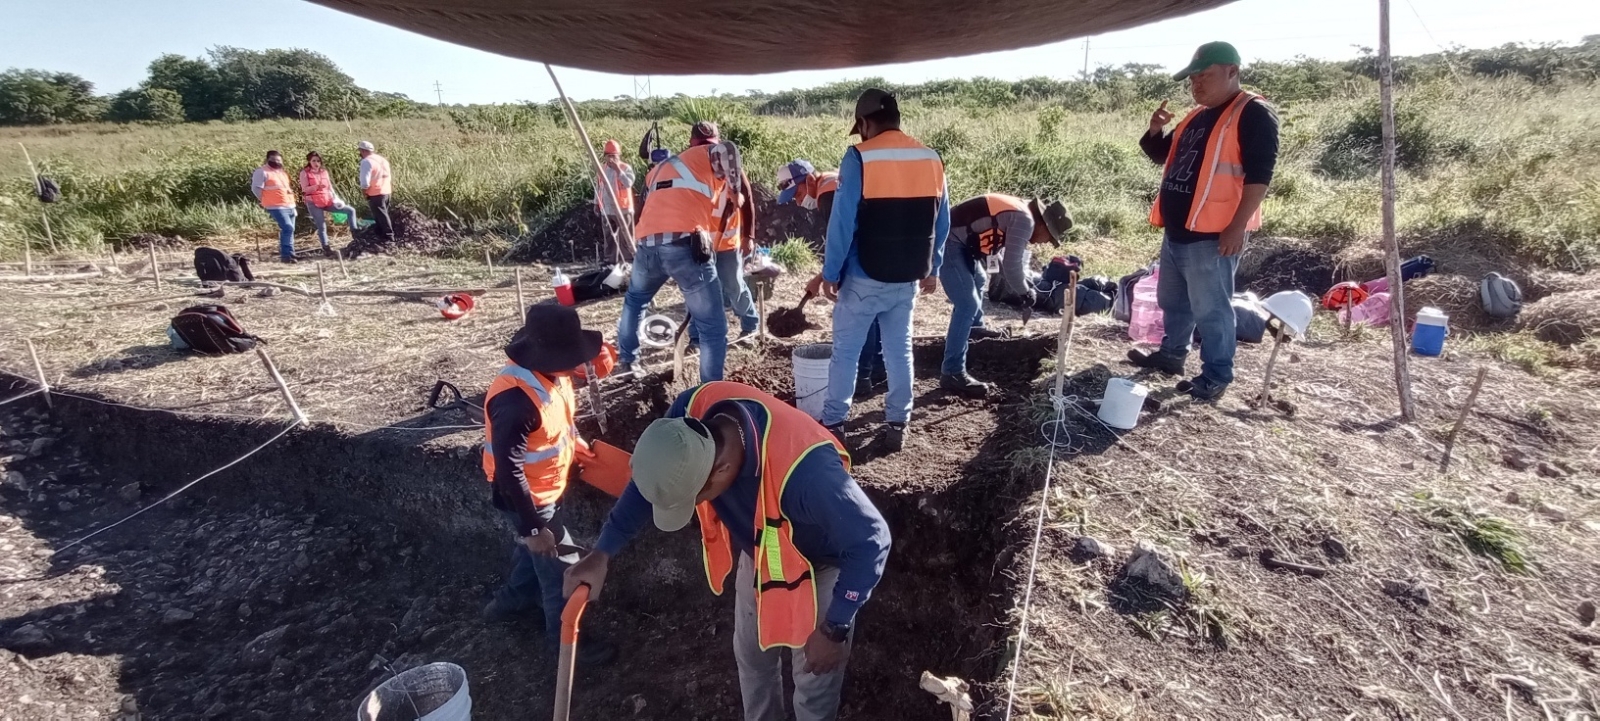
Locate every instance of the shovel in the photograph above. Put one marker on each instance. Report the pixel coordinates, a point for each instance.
(609, 470)
(569, 650)
(790, 322)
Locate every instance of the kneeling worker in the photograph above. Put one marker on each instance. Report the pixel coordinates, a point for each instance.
(531, 445)
(772, 484)
(979, 228)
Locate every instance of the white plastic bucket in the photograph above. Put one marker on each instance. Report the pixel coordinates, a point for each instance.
(435, 692)
(1124, 399)
(811, 377)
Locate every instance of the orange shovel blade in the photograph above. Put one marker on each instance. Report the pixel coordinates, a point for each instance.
(609, 470)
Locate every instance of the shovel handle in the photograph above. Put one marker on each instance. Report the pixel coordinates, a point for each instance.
(570, 615)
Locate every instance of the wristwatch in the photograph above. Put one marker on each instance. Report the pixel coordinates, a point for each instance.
(835, 632)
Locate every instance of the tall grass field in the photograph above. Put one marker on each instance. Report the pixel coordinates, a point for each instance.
(1503, 161)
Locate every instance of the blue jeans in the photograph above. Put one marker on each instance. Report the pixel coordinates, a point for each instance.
(284, 217)
(871, 356)
(1195, 292)
(964, 279)
(702, 295)
(735, 293)
(536, 580)
(863, 302)
(319, 219)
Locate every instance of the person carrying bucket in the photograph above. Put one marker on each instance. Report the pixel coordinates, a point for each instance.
(751, 467)
(316, 186)
(531, 444)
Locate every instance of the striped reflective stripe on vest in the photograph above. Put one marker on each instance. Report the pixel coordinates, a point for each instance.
(533, 456)
(686, 179)
(868, 156)
(526, 376)
(1220, 133)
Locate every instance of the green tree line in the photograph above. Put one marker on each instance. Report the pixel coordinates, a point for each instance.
(234, 84)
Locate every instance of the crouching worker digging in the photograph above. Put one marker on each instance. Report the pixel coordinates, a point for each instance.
(532, 444)
(771, 485)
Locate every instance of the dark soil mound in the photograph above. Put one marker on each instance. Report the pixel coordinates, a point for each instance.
(413, 232)
(576, 234)
(1290, 266)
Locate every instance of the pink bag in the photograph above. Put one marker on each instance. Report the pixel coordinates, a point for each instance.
(1373, 311)
(1377, 285)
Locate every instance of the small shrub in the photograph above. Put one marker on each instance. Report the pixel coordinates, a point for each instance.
(1488, 536)
(949, 140)
(1355, 149)
(795, 255)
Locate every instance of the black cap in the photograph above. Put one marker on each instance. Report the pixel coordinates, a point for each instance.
(871, 101)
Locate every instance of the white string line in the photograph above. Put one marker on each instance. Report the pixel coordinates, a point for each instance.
(1033, 566)
(185, 487)
(25, 395)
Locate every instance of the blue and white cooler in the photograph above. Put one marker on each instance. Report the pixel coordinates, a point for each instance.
(1427, 337)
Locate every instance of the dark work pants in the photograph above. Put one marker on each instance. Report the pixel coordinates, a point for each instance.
(379, 205)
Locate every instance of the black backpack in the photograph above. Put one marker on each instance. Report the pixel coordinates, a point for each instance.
(214, 265)
(212, 330)
(49, 192)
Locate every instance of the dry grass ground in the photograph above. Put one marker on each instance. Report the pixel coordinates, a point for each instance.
(1325, 477)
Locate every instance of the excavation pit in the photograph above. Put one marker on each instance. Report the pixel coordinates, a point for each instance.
(332, 559)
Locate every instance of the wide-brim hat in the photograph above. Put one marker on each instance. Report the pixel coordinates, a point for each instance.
(552, 340)
(1057, 219)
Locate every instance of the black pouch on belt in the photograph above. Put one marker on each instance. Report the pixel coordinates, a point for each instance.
(700, 247)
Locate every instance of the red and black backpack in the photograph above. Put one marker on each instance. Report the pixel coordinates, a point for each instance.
(212, 330)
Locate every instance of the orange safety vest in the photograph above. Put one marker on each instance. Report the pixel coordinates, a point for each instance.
(611, 174)
(275, 190)
(1220, 185)
(378, 182)
(684, 196)
(317, 187)
(902, 181)
(786, 594)
(730, 237)
(547, 460)
(988, 239)
(816, 185)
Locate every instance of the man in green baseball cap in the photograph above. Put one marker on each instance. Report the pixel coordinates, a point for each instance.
(774, 496)
(1217, 164)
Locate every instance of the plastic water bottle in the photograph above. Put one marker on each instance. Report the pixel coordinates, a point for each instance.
(1146, 325)
(563, 287)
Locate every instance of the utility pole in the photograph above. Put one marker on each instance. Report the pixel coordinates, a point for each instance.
(1085, 58)
(438, 90)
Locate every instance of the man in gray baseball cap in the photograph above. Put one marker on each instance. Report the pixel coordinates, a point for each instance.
(753, 467)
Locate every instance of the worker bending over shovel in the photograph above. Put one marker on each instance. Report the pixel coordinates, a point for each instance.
(980, 228)
(531, 443)
(772, 485)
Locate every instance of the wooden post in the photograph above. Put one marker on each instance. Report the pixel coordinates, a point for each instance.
(1272, 360)
(342, 269)
(260, 258)
(38, 190)
(522, 305)
(322, 285)
(625, 234)
(155, 266)
(1391, 247)
(44, 382)
(1349, 311)
(1466, 408)
(277, 379)
(27, 257)
(112, 250)
(1068, 313)
(763, 287)
(488, 262)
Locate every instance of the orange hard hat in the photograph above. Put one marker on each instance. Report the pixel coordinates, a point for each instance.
(612, 147)
(456, 305)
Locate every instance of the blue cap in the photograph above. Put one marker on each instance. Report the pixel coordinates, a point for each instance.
(789, 178)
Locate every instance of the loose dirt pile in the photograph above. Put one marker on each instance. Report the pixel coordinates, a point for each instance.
(1458, 297)
(1276, 264)
(413, 232)
(1565, 318)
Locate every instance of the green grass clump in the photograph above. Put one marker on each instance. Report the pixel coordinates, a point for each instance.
(795, 255)
(1484, 534)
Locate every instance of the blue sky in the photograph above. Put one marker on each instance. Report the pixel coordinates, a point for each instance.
(111, 41)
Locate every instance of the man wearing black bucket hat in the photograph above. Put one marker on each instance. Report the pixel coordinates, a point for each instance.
(981, 228)
(531, 445)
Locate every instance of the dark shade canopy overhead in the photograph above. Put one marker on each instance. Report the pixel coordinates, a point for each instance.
(678, 37)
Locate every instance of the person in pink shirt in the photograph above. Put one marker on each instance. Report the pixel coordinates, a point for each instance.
(316, 186)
